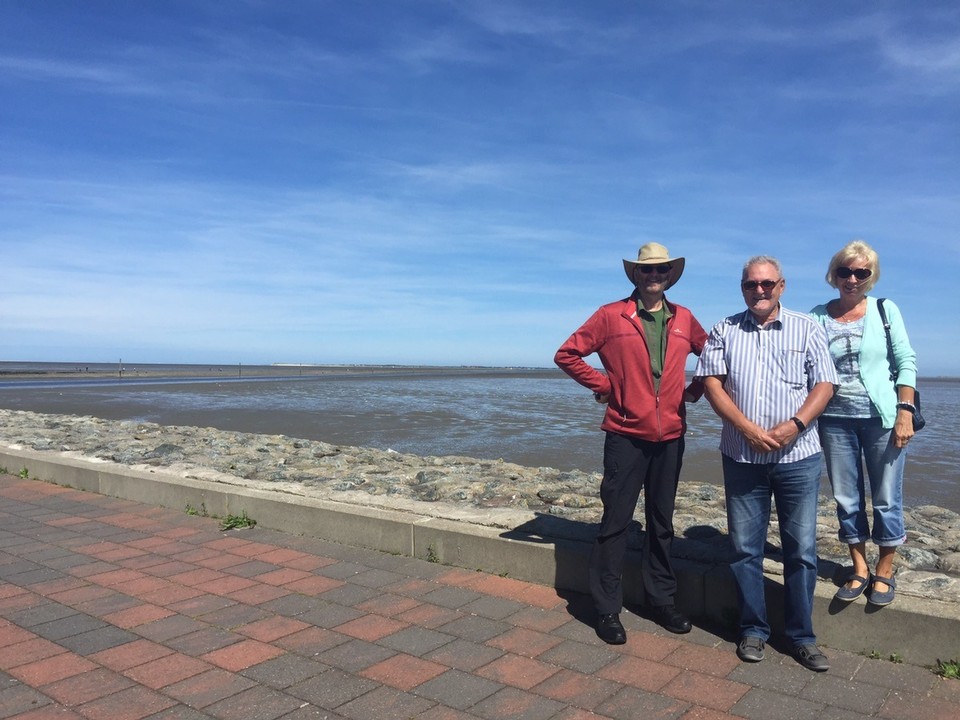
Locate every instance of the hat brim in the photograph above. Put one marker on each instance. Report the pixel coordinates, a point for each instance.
(676, 269)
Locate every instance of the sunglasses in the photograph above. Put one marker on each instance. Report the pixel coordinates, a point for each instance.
(659, 269)
(754, 284)
(859, 274)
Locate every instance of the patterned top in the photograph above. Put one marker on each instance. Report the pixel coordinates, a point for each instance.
(851, 399)
(769, 371)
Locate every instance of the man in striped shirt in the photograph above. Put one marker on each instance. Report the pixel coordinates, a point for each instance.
(768, 374)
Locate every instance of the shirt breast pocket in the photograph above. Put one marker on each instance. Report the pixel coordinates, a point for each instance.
(792, 367)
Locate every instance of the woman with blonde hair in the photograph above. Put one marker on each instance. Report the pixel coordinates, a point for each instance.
(869, 421)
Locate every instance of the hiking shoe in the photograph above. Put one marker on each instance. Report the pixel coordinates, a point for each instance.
(610, 630)
(811, 658)
(750, 649)
(669, 618)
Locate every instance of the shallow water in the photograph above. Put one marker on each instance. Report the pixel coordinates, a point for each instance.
(533, 417)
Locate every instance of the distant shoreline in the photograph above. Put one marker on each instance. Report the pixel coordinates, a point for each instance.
(14, 371)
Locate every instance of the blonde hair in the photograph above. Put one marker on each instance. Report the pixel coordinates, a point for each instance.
(855, 249)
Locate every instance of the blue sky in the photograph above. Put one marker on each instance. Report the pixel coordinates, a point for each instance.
(456, 182)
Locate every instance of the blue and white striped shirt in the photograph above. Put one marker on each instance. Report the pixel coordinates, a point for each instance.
(769, 372)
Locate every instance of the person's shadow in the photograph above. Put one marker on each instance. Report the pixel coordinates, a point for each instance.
(701, 547)
(572, 542)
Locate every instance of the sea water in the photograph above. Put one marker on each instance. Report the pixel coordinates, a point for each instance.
(535, 417)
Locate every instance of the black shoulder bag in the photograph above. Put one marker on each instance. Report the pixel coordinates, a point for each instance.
(918, 420)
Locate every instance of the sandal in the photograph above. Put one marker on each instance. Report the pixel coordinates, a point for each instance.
(845, 594)
(874, 597)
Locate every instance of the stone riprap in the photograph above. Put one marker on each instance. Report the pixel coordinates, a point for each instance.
(537, 501)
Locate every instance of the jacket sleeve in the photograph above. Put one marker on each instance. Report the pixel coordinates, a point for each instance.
(903, 353)
(588, 339)
(698, 338)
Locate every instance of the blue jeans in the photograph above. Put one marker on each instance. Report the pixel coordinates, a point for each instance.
(795, 487)
(845, 442)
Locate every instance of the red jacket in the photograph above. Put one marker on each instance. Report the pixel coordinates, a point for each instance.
(615, 333)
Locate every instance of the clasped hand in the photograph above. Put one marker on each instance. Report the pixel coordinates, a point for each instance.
(776, 438)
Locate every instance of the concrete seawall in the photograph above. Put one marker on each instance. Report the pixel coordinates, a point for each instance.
(920, 630)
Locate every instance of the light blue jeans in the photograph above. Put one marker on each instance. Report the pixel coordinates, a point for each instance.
(845, 441)
(795, 488)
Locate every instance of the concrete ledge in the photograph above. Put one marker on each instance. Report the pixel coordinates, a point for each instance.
(918, 630)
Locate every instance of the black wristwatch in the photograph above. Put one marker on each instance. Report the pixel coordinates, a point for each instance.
(799, 423)
(907, 406)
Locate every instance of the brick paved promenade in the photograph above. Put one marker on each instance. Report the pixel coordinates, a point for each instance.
(117, 610)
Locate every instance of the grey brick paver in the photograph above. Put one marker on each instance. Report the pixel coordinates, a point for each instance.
(332, 689)
(631, 703)
(355, 655)
(850, 695)
(475, 628)
(76, 624)
(350, 594)
(897, 676)
(168, 628)
(464, 655)
(295, 605)
(16, 698)
(309, 712)
(416, 641)
(787, 679)
(756, 705)
(284, 671)
(203, 641)
(514, 704)
(385, 702)
(43, 613)
(179, 712)
(458, 689)
(451, 597)
(376, 579)
(326, 614)
(257, 703)
(208, 687)
(93, 641)
(494, 608)
(587, 659)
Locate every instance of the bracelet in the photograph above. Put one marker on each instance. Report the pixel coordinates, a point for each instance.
(907, 406)
(799, 423)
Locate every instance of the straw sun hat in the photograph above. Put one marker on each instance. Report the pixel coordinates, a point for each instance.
(655, 254)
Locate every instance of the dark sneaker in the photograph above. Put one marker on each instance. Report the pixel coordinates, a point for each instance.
(811, 658)
(669, 618)
(610, 630)
(750, 649)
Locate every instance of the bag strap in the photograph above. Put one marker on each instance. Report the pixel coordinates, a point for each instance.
(886, 329)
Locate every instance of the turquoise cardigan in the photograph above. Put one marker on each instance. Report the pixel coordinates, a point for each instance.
(874, 367)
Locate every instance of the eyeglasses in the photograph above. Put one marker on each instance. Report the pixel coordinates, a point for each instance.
(765, 284)
(659, 269)
(859, 273)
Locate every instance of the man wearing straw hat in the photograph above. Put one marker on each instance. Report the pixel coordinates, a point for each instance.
(643, 342)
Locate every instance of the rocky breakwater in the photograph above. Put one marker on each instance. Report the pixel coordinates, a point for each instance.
(542, 502)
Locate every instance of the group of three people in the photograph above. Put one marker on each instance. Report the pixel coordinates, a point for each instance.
(769, 373)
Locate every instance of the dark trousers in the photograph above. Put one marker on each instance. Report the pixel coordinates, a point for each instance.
(629, 465)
